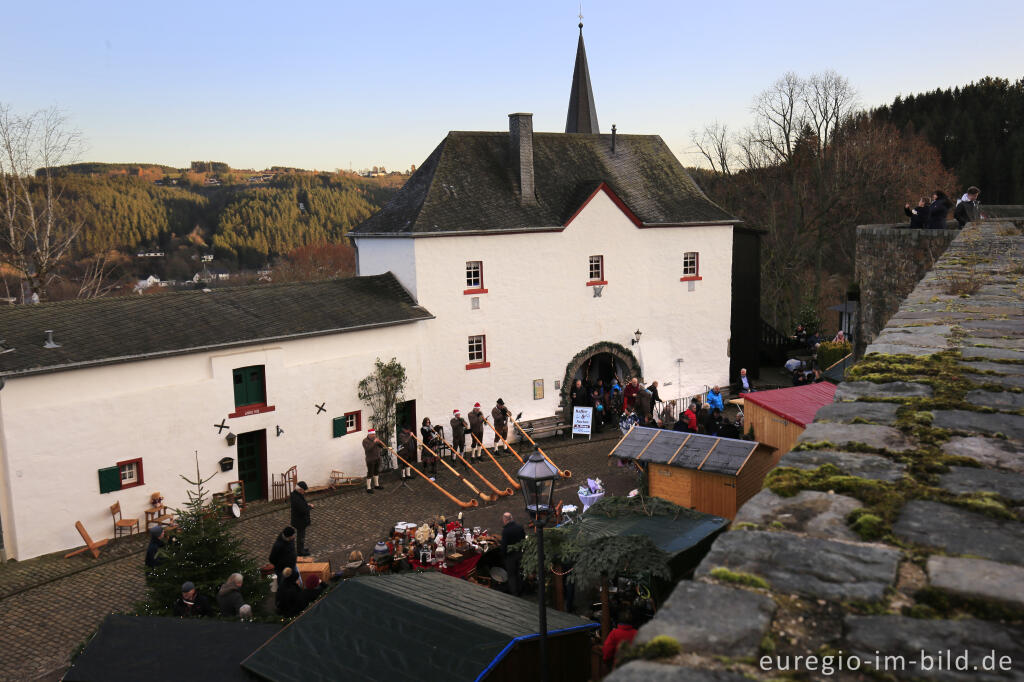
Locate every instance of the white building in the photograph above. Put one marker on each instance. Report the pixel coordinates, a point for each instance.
(507, 265)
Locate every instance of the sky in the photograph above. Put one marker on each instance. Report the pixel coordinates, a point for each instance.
(338, 85)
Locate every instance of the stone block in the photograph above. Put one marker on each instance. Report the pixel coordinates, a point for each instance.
(907, 640)
(959, 531)
(999, 400)
(649, 671)
(853, 463)
(961, 480)
(884, 437)
(1010, 425)
(894, 349)
(1001, 368)
(707, 618)
(992, 353)
(815, 513)
(1004, 380)
(812, 567)
(846, 412)
(852, 390)
(978, 579)
(992, 452)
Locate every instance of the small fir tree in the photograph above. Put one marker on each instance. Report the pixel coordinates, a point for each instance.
(202, 550)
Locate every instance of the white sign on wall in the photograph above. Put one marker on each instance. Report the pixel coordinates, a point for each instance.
(581, 420)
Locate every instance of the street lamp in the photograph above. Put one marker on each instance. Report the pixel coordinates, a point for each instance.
(537, 478)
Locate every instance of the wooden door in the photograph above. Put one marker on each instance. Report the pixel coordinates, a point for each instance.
(252, 463)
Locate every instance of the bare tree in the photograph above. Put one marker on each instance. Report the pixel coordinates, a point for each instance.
(714, 145)
(828, 101)
(779, 117)
(36, 232)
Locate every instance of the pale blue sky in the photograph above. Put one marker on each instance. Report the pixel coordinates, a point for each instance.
(328, 84)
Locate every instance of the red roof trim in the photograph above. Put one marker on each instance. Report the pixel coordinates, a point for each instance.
(797, 404)
(603, 187)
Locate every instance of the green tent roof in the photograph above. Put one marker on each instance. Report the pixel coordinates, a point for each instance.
(671, 534)
(408, 626)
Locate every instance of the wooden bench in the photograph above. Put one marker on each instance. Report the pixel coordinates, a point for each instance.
(545, 426)
(338, 479)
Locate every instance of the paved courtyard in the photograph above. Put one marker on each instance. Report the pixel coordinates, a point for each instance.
(49, 605)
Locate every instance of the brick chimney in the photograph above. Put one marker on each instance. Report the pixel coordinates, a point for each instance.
(520, 130)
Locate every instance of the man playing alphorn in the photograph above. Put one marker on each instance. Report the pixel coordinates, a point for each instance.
(458, 432)
(372, 449)
(407, 450)
(500, 415)
(476, 428)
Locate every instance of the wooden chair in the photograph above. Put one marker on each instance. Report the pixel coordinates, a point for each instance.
(90, 546)
(121, 525)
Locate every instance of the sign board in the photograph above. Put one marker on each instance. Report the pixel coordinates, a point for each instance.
(582, 418)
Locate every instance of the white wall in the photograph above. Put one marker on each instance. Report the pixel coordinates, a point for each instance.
(60, 428)
(377, 256)
(538, 311)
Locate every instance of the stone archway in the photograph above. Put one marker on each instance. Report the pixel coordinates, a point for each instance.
(620, 353)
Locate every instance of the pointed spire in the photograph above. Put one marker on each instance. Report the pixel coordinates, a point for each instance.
(582, 117)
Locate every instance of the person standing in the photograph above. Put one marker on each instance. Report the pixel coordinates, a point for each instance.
(372, 449)
(918, 216)
(715, 400)
(156, 543)
(500, 415)
(283, 554)
(938, 210)
(967, 207)
(407, 451)
(458, 432)
(229, 597)
(300, 516)
(429, 459)
(578, 396)
(629, 395)
(476, 429)
(191, 603)
(512, 533)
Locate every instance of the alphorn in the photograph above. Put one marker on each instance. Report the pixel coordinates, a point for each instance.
(483, 496)
(464, 505)
(511, 449)
(506, 491)
(515, 484)
(561, 472)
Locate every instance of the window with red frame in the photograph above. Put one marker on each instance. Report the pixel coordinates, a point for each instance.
(691, 265)
(596, 270)
(131, 473)
(477, 352)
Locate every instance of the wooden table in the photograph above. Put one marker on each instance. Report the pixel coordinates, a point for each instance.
(321, 569)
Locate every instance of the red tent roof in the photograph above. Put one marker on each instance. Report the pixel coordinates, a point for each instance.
(797, 404)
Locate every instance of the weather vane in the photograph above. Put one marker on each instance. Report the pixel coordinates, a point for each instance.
(581, 15)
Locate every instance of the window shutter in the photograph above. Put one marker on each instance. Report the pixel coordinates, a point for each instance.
(340, 426)
(257, 393)
(240, 393)
(110, 479)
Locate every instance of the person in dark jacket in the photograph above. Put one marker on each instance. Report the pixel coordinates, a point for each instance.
(283, 554)
(291, 598)
(938, 210)
(918, 216)
(229, 597)
(476, 432)
(967, 207)
(300, 516)
(511, 534)
(459, 427)
(373, 448)
(156, 543)
(191, 603)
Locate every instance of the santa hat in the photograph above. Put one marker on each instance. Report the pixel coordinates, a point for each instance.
(372, 431)
(476, 405)
(455, 412)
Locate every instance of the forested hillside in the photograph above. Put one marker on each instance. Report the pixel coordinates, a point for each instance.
(978, 129)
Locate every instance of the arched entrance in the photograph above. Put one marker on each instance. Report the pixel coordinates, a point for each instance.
(606, 361)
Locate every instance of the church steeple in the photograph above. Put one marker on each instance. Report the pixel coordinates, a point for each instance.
(582, 117)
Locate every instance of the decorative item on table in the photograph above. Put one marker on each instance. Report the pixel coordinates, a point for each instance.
(423, 533)
(380, 550)
(402, 526)
(455, 557)
(439, 555)
(450, 542)
(595, 485)
(426, 554)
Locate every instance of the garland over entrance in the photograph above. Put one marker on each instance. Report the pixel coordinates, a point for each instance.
(619, 352)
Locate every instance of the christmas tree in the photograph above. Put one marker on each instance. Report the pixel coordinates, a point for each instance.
(202, 550)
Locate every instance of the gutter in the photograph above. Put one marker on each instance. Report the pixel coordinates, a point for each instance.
(523, 638)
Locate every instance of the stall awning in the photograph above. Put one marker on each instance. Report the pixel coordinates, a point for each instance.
(685, 450)
(797, 404)
(671, 534)
(411, 626)
(160, 649)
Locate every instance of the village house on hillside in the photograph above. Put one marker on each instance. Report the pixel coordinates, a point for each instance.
(508, 265)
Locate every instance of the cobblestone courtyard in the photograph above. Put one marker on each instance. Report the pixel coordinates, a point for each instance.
(49, 605)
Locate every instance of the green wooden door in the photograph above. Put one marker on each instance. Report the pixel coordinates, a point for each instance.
(252, 463)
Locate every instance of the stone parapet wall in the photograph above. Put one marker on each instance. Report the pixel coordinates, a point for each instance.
(890, 260)
(890, 542)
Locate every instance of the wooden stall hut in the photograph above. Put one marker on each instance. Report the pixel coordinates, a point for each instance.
(779, 417)
(707, 473)
(423, 626)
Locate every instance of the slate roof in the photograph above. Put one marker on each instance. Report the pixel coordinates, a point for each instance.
(424, 626)
(127, 328)
(797, 404)
(685, 450)
(467, 185)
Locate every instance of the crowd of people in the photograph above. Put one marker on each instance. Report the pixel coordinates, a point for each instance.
(931, 213)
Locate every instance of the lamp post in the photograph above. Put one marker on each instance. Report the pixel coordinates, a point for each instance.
(537, 478)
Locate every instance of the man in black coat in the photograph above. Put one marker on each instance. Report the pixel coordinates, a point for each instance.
(283, 554)
(511, 534)
(300, 516)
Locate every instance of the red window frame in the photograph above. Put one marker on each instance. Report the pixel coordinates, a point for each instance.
(478, 364)
(601, 279)
(696, 259)
(139, 480)
(358, 414)
(476, 290)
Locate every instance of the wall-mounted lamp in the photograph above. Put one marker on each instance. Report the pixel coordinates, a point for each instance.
(231, 438)
(636, 338)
